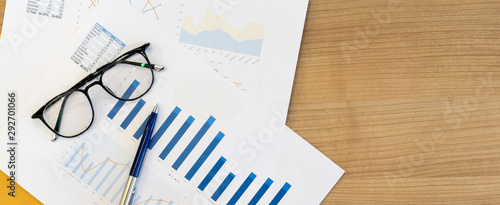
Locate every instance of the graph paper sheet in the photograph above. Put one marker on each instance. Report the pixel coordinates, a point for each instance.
(211, 145)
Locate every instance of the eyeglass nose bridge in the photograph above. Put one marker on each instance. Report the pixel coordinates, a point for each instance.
(87, 88)
(101, 84)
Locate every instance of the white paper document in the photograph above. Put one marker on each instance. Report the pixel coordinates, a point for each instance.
(212, 144)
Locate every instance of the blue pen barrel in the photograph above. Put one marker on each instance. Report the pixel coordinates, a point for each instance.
(141, 151)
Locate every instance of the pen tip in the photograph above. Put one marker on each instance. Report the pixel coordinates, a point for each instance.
(155, 109)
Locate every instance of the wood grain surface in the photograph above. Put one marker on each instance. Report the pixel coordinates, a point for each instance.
(405, 96)
(2, 11)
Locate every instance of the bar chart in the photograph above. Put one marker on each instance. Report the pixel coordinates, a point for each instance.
(186, 144)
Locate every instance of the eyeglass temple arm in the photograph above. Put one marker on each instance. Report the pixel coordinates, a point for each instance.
(100, 70)
(154, 66)
(59, 119)
(39, 112)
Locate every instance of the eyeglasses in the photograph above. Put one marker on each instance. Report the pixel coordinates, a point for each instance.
(126, 78)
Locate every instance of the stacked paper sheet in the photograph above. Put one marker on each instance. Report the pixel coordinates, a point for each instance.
(229, 72)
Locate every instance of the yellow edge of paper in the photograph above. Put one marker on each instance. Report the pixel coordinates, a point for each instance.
(22, 196)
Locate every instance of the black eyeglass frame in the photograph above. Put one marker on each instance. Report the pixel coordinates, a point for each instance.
(98, 73)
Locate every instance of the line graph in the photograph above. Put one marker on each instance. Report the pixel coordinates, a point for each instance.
(85, 171)
(106, 177)
(152, 7)
(144, 10)
(216, 32)
(93, 3)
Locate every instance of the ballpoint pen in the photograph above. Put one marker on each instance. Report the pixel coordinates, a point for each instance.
(129, 191)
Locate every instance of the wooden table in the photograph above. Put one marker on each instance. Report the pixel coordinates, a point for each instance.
(405, 96)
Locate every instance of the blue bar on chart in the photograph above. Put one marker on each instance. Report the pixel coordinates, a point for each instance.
(84, 172)
(132, 114)
(81, 162)
(140, 131)
(118, 192)
(280, 194)
(164, 126)
(98, 171)
(125, 95)
(242, 189)
(122, 172)
(74, 155)
(136, 199)
(148, 200)
(204, 156)
(176, 138)
(261, 192)
(223, 186)
(193, 143)
(105, 177)
(159, 202)
(212, 173)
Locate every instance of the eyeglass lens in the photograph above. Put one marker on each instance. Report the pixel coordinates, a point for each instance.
(70, 114)
(118, 78)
